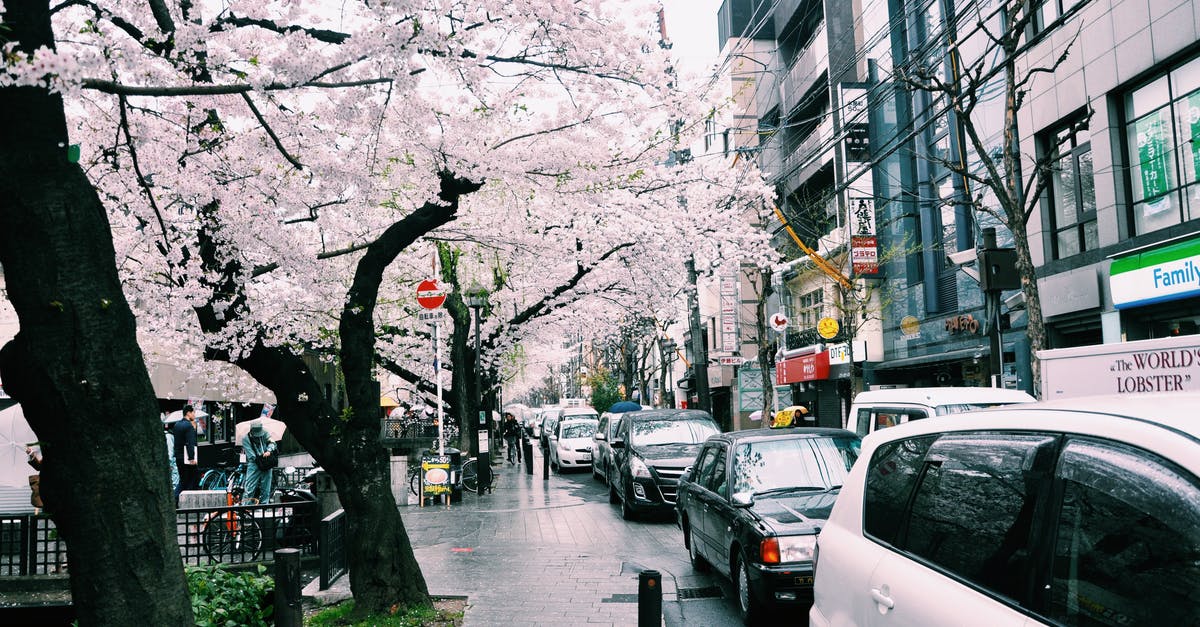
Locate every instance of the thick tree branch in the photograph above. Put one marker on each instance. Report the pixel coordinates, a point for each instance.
(271, 133)
(120, 89)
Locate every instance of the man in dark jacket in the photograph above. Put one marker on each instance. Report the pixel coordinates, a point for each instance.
(185, 452)
(512, 433)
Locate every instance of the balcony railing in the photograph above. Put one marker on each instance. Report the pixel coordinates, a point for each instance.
(808, 157)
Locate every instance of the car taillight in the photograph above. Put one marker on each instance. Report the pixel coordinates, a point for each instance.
(769, 551)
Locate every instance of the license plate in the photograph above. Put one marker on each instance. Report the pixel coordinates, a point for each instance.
(804, 581)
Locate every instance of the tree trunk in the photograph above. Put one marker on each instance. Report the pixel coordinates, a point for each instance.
(383, 570)
(76, 368)
(1035, 325)
(765, 358)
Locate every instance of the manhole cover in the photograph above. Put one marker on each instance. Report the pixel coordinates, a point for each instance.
(710, 592)
(621, 598)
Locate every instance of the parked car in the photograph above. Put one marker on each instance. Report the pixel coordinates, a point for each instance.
(651, 449)
(571, 443)
(550, 417)
(601, 450)
(752, 504)
(879, 409)
(1084, 511)
(581, 412)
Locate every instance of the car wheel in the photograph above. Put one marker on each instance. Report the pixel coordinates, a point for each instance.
(595, 472)
(626, 511)
(613, 498)
(749, 605)
(698, 563)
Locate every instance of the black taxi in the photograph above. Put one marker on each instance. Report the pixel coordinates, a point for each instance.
(752, 504)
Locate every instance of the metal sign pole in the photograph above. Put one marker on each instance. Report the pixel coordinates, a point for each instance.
(437, 374)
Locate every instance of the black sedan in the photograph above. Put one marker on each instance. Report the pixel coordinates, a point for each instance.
(752, 504)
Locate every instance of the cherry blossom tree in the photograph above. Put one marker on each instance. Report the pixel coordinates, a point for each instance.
(257, 180)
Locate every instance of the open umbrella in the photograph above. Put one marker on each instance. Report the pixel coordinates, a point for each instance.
(15, 435)
(177, 415)
(621, 407)
(275, 428)
(789, 416)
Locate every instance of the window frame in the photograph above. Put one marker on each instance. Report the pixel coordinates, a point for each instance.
(1063, 142)
(1183, 193)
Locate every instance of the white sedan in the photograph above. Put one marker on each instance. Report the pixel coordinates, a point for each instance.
(571, 444)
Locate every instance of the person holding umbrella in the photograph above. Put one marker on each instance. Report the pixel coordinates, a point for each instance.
(260, 452)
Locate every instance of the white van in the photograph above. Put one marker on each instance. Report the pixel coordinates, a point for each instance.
(877, 409)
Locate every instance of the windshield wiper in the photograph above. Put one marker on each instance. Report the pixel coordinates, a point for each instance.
(667, 444)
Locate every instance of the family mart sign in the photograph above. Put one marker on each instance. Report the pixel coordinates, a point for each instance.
(1156, 276)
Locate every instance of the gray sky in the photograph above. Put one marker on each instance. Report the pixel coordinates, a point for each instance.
(692, 28)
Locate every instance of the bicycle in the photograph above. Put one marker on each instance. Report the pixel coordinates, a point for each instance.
(234, 532)
(470, 477)
(215, 479)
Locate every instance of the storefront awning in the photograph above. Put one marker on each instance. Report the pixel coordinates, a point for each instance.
(956, 355)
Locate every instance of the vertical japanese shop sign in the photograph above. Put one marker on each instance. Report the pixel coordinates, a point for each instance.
(729, 304)
(859, 195)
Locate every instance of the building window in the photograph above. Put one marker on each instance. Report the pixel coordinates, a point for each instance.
(1163, 140)
(809, 309)
(1072, 191)
(1046, 12)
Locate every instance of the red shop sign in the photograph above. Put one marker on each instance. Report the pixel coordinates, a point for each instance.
(803, 368)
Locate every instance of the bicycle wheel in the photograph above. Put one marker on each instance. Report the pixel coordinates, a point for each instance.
(234, 536)
(414, 484)
(213, 480)
(470, 476)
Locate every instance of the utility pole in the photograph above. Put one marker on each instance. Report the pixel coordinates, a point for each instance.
(699, 349)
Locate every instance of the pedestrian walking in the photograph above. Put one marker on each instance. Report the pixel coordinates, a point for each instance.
(260, 463)
(512, 432)
(186, 460)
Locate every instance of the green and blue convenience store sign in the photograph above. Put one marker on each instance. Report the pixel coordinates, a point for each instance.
(1156, 276)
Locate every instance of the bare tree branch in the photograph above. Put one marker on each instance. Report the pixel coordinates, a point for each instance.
(271, 133)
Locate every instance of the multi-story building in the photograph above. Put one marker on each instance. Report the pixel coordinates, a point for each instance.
(853, 141)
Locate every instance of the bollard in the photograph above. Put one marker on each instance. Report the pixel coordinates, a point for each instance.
(527, 448)
(289, 610)
(545, 464)
(649, 598)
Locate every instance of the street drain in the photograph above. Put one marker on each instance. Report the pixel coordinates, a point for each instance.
(621, 598)
(710, 592)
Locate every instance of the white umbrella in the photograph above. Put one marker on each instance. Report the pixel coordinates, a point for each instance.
(177, 415)
(275, 428)
(15, 435)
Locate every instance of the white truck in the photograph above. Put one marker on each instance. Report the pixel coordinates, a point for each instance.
(1158, 366)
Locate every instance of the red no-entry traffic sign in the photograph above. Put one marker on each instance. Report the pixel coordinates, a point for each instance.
(430, 295)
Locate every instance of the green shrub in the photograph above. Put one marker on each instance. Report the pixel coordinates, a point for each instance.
(223, 598)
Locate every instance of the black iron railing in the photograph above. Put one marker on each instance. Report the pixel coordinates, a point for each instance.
(334, 561)
(29, 543)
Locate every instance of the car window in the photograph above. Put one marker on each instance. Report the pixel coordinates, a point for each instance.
(603, 426)
(702, 469)
(891, 475)
(612, 428)
(657, 432)
(1128, 539)
(973, 509)
(716, 480)
(785, 463)
(884, 417)
(577, 430)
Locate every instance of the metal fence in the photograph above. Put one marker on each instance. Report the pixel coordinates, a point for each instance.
(334, 561)
(29, 543)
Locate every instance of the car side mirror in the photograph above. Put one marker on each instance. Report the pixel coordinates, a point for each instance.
(742, 499)
(553, 437)
(618, 444)
(599, 436)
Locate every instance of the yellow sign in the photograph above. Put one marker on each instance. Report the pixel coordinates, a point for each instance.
(827, 328)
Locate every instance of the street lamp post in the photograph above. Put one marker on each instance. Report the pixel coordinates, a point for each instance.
(477, 299)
